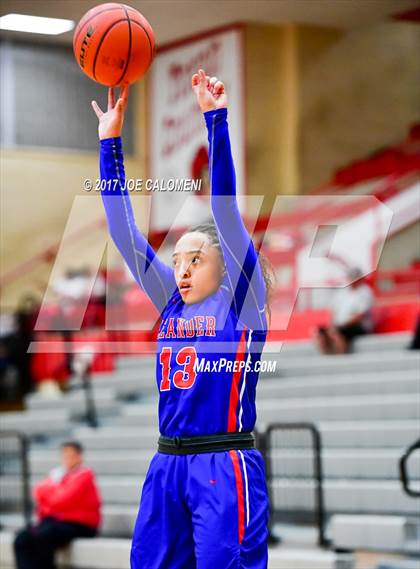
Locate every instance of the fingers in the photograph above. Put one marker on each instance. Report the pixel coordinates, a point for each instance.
(198, 81)
(111, 98)
(97, 109)
(219, 85)
(204, 85)
(218, 88)
(122, 100)
(124, 94)
(202, 80)
(119, 107)
(212, 83)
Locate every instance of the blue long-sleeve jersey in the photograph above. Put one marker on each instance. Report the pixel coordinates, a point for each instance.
(208, 353)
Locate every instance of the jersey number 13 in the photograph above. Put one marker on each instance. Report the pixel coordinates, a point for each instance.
(182, 378)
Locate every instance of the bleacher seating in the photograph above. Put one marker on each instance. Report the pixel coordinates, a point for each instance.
(366, 406)
(37, 422)
(115, 553)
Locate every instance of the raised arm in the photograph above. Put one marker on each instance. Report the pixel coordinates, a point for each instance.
(154, 277)
(244, 275)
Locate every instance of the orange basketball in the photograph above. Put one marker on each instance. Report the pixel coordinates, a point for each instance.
(114, 44)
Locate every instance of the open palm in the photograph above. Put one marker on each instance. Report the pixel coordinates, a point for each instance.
(210, 91)
(111, 122)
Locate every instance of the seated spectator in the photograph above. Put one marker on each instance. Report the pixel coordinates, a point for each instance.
(26, 317)
(16, 334)
(352, 316)
(68, 507)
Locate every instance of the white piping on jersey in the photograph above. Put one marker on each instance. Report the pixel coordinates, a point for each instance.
(114, 151)
(250, 287)
(246, 487)
(241, 409)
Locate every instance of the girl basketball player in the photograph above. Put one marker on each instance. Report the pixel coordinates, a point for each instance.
(204, 502)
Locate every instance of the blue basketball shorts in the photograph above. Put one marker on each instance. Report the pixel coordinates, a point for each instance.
(203, 511)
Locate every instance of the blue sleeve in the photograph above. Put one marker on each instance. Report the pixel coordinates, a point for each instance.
(244, 275)
(154, 277)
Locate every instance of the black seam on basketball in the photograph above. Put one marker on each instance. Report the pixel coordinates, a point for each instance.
(145, 31)
(101, 42)
(89, 19)
(129, 46)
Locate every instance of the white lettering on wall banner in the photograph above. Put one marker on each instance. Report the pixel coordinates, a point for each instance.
(177, 132)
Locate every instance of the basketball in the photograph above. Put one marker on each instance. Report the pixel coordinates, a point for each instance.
(114, 44)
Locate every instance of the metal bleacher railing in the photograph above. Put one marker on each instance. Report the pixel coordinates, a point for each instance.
(14, 455)
(81, 367)
(404, 474)
(313, 474)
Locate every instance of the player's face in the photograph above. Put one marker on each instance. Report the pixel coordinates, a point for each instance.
(198, 267)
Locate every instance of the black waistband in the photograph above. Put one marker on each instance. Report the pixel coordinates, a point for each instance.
(206, 443)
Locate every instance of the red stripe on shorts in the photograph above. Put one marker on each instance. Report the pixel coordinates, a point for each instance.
(234, 390)
(240, 493)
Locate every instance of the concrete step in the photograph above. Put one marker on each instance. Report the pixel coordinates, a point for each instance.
(129, 383)
(338, 463)
(106, 553)
(38, 422)
(11, 522)
(349, 463)
(362, 434)
(350, 496)
(290, 496)
(370, 343)
(317, 409)
(367, 434)
(110, 437)
(345, 496)
(361, 407)
(102, 462)
(98, 553)
(285, 558)
(378, 533)
(136, 362)
(398, 564)
(74, 402)
(354, 363)
(360, 362)
(375, 497)
(412, 547)
(346, 384)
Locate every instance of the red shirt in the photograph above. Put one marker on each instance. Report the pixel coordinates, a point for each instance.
(74, 499)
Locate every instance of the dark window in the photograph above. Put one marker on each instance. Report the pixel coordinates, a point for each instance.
(45, 99)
